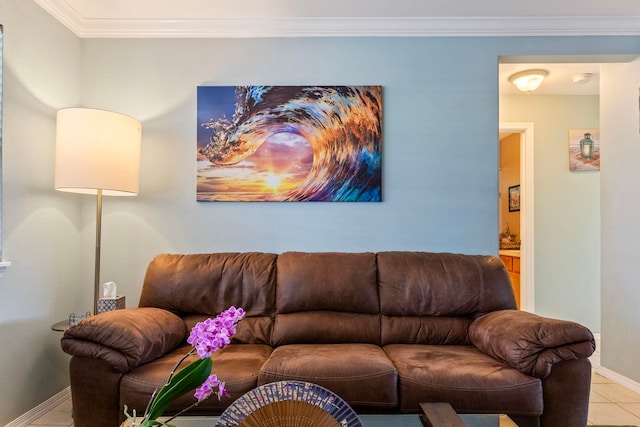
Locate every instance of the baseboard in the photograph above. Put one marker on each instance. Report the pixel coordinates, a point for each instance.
(618, 378)
(608, 373)
(37, 412)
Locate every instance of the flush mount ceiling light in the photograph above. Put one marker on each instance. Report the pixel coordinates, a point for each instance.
(528, 80)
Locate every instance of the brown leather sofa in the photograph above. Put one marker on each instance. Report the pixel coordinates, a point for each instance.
(384, 331)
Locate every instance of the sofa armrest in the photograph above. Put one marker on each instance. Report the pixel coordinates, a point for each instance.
(125, 338)
(530, 343)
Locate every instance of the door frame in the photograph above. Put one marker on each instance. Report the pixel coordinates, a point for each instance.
(527, 289)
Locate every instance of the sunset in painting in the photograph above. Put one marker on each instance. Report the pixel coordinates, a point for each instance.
(280, 164)
(289, 143)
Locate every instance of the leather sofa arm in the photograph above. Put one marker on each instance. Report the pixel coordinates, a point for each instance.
(125, 338)
(530, 343)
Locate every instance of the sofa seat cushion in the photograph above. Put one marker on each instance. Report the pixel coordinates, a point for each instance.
(237, 365)
(468, 379)
(361, 374)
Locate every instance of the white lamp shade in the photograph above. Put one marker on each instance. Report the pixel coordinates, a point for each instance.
(529, 80)
(97, 150)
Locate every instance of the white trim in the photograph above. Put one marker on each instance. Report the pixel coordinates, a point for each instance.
(40, 410)
(618, 378)
(527, 283)
(359, 27)
(65, 14)
(608, 373)
(341, 27)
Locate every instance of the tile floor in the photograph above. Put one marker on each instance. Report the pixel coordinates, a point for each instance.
(610, 403)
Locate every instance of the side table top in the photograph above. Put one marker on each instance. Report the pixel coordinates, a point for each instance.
(60, 326)
(73, 318)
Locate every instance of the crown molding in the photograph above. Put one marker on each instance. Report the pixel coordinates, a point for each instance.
(341, 27)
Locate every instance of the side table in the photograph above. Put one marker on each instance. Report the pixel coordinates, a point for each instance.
(61, 326)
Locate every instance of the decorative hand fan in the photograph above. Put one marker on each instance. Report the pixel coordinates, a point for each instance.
(289, 404)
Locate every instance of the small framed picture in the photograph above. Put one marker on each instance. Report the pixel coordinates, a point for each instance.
(584, 150)
(514, 198)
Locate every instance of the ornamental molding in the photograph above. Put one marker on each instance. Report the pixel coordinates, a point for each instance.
(341, 27)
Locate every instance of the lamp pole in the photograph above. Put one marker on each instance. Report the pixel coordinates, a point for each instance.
(96, 283)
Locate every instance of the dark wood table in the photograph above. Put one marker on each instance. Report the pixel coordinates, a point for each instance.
(441, 414)
(438, 414)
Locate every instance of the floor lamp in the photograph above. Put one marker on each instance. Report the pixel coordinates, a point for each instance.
(97, 152)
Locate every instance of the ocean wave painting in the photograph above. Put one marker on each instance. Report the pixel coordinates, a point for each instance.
(289, 143)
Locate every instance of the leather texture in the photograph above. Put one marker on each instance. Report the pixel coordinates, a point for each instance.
(566, 403)
(361, 374)
(95, 391)
(327, 298)
(210, 283)
(384, 331)
(237, 364)
(442, 284)
(530, 343)
(125, 338)
(468, 379)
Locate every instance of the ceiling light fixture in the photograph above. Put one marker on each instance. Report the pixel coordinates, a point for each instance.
(528, 80)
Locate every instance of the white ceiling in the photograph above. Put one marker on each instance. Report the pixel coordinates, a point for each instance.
(302, 18)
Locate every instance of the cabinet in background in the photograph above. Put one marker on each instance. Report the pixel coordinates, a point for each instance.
(513, 267)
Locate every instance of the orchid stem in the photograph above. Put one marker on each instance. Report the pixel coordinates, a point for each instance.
(168, 380)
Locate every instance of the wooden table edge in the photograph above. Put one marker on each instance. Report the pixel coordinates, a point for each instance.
(439, 414)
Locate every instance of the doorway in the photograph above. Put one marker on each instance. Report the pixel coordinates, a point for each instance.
(566, 238)
(526, 234)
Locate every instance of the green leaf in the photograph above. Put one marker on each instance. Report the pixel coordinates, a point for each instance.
(154, 423)
(187, 379)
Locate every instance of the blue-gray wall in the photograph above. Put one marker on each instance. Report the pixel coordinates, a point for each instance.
(440, 162)
(41, 73)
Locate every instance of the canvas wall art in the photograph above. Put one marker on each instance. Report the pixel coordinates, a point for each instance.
(289, 143)
(584, 150)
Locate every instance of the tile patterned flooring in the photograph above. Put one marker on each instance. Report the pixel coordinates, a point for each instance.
(609, 403)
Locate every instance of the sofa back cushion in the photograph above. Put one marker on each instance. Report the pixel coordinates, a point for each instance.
(206, 284)
(326, 298)
(431, 298)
